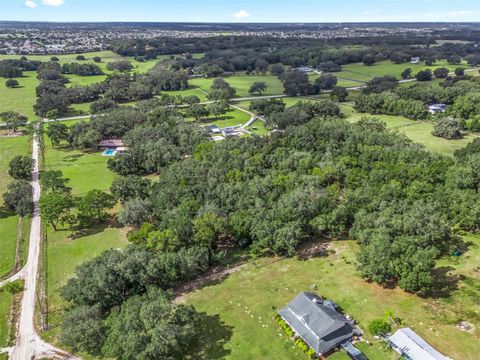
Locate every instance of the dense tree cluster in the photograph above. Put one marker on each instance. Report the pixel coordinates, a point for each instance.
(81, 69)
(391, 104)
(126, 310)
(164, 137)
(325, 177)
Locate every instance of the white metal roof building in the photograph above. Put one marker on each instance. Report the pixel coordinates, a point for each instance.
(411, 346)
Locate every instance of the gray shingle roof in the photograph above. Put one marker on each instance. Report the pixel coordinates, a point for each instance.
(321, 326)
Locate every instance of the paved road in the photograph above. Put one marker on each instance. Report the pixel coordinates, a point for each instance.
(28, 343)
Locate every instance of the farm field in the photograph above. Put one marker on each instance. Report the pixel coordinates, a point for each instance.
(418, 131)
(248, 299)
(9, 148)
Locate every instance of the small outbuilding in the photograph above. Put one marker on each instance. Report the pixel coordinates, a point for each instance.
(412, 347)
(437, 108)
(110, 144)
(318, 322)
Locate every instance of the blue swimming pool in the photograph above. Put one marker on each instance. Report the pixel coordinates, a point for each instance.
(109, 152)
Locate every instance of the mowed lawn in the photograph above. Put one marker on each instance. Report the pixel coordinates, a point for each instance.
(9, 148)
(248, 299)
(242, 84)
(86, 171)
(23, 98)
(363, 73)
(63, 255)
(418, 131)
(20, 99)
(6, 300)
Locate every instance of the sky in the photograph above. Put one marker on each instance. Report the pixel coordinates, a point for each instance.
(241, 10)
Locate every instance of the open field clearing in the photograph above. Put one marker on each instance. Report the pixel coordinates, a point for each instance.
(86, 171)
(363, 73)
(9, 148)
(6, 300)
(22, 98)
(63, 255)
(418, 131)
(242, 84)
(249, 298)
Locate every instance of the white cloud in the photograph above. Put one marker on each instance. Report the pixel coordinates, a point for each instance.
(52, 2)
(460, 13)
(371, 12)
(30, 4)
(242, 14)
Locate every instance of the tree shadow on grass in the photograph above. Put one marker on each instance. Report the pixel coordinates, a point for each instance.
(72, 158)
(89, 231)
(6, 212)
(445, 282)
(215, 334)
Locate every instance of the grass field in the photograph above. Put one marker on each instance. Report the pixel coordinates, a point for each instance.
(359, 72)
(9, 148)
(192, 90)
(6, 300)
(63, 255)
(418, 131)
(242, 84)
(86, 171)
(23, 98)
(248, 299)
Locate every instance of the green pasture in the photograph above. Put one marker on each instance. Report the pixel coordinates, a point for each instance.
(86, 171)
(6, 301)
(64, 253)
(418, 131)
(9, 148)
(246, 303)
(20, 99)
(242, 84)
(361, 72)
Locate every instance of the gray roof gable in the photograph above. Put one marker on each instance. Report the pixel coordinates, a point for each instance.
(319, 325)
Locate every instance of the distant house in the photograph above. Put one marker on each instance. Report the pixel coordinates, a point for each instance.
(411, 346)
(436, 108)
(231, 131)
(304, 69)
(212, 128)
(318, 322)
(110, 143)
(414, 60)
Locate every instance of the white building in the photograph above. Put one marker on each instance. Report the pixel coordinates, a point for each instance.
(411, 346)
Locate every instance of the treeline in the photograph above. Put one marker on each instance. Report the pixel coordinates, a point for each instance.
(237, 53)
(383, 96)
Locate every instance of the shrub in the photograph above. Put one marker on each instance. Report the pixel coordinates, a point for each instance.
(11, 83)
(379, 326)
(13, 287)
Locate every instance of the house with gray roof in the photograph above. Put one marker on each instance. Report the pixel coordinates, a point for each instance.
(318, 322)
